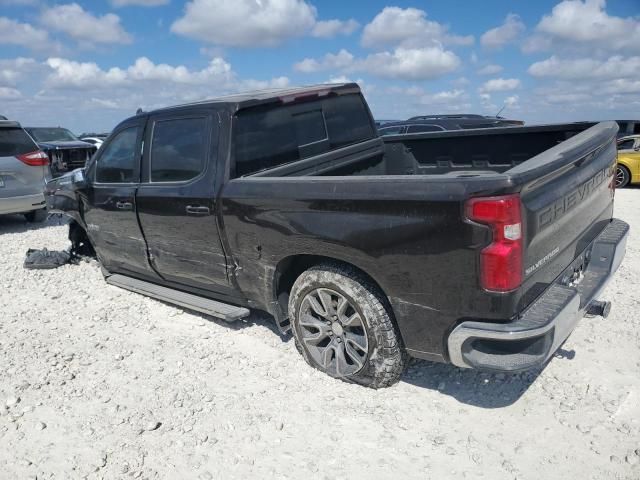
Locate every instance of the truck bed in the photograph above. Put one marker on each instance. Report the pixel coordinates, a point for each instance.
(459, 153)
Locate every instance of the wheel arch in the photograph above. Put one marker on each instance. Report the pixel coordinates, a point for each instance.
(290, 268)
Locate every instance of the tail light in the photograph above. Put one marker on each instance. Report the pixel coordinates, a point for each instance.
(501, 261)
(34, 159)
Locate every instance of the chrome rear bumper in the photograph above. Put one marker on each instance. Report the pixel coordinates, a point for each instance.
(542, 328)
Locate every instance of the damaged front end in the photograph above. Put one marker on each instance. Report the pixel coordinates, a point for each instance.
(63, 196)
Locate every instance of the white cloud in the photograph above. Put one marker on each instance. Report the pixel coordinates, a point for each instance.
(403, 63)
(12, 70)
(489, 70)
(69, 73)
(23, 34)
(500, 85)
(460, 82)
(8, 93)
(139, 3)
(332, 28)
(585, 24)
(244, 23)
(442, 98)
(410, 63)
(512, 101)
(621, 86)
(83, 26)
(409, 27)
(341, 60)
(581, 68)
(145, 79)
(507, 32)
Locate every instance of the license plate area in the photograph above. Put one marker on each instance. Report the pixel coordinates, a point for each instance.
(574, 274)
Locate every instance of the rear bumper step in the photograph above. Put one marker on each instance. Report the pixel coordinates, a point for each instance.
(530, 340)
(224, 311)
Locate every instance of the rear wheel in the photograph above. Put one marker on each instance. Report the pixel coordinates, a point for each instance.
(343, 327)
(36, 216)
(623, 176)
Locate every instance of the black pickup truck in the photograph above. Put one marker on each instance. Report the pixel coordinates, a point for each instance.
(482, 248)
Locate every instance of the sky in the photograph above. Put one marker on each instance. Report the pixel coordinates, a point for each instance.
(87, 65)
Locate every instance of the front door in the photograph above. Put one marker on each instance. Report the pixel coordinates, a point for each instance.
(176, 200)
(110, 210)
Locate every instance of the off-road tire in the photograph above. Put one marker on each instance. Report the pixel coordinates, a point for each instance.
(386, 357)
(36, 216)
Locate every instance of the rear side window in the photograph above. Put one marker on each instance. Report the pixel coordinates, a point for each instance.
(15, 141)
(178, 149)
(117, 162)
(266, 137)
(347, 120)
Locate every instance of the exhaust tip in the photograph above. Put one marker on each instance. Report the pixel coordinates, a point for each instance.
(601, 309)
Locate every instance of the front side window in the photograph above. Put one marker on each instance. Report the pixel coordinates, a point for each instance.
(117, 163)
(178, 149)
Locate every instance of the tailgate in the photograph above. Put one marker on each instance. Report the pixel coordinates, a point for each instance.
(567, 199)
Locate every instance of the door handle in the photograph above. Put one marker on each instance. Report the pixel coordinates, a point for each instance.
(124, 205)
(197, 210)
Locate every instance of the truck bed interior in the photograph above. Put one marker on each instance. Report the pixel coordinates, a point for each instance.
(460, 153)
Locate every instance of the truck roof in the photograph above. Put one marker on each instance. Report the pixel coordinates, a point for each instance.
(249, 99)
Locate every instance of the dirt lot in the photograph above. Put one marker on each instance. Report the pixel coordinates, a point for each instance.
(98, 382)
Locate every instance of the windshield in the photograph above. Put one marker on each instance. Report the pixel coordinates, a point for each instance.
(52, 134)
(626, 144)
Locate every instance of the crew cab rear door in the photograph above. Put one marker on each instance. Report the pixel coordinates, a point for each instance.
(110, 210)
(176, 199)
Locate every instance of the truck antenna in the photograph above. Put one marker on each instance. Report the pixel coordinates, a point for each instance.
(500, 111)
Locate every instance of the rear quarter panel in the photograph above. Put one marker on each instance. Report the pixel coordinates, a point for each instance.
(407, 233)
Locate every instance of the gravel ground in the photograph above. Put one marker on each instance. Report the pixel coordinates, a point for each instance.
(97, 382)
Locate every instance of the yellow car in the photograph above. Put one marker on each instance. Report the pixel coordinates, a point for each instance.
(628, 170)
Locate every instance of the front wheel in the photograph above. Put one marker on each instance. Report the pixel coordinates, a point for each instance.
(343, 327)
(623, 176)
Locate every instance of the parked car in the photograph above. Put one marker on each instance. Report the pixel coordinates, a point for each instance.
(380, 123)
(65, 151)
(97, 141)
(628, 127)
(480, 248)
(628, 168)
(439, 123)
(23, 172)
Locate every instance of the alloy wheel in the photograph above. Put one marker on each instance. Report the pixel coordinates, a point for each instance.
(333, 332)
(620, 177)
